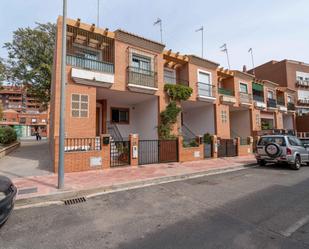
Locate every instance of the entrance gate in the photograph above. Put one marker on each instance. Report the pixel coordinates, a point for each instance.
(227, 147)
(157, 151)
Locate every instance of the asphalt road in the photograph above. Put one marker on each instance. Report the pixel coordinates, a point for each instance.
(254, 208)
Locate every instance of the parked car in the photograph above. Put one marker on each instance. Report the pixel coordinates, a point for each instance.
(282, 149)
(7, 198)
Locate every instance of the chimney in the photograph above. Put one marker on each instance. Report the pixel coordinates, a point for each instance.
(244, 68)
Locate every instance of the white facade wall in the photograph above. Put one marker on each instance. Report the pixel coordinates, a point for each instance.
(143, 118)
(240, 123)
(288, 121)
(200, 120)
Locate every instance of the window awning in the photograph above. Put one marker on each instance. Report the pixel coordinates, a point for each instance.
(257, 87)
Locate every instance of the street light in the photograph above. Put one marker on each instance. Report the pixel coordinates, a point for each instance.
(62, 99)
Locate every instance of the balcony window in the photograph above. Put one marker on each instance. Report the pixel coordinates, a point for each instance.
(141, 64)
(205, 88)
(120, 115)
(270, 94)
(243, 88)
(169, 76)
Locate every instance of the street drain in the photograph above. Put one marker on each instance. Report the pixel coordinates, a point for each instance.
(74, 201)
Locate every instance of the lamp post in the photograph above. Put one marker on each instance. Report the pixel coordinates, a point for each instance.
(62, 99)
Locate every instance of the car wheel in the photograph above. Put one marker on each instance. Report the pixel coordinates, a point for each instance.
(261, 162)
(297, 163)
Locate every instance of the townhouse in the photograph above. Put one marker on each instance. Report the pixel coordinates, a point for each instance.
(22, 111)
(115, 96)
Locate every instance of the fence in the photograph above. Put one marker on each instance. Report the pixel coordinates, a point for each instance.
(119, 153)
(82, 144)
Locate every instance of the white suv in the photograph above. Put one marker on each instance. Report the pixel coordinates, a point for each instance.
(281, 149)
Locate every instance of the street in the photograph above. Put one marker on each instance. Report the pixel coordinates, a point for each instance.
(264, 207)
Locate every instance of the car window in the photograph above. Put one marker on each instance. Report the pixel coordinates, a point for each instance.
(266, 140)
(295, 141)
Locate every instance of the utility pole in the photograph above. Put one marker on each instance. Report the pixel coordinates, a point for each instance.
(224, 49)
(98, 14)
(159, 21)
(202, 31)
(251, 51)
(62, 98)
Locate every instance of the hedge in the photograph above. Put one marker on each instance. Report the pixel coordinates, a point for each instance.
(7, 135)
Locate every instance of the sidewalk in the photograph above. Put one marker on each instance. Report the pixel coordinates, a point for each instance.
(82, 183)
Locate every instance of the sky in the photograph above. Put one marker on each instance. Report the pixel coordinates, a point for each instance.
(274, 29)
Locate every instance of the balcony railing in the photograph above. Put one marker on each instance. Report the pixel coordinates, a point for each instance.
(291, 106)
(280, 101)
(206, 90)
(245, 98)
(225, 91)
(142, 77)
(302, 83)
(174, 80)
(271, 103)
(258, 98)
(90, 64)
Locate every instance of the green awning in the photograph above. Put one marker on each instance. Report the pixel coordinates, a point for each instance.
(257, 87)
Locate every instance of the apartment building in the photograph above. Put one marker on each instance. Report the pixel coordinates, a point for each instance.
(22, 111)
(291, 74)
(115, 94)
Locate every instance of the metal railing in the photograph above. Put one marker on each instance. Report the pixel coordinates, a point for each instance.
(258, 98)
(113, 130)
(82, 144)
(280, 101)
(175, 80)
(205, 89)
(142, 77)
(245, 97)
(271, 103)
(189, 138)
(291, 106)
(81, 62)
(244, 141)
(225, 91)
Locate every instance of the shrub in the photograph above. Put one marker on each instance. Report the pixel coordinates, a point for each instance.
(178, 92)
(207, 138)
(7, 135)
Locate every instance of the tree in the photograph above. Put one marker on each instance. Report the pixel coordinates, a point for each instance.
(30, 59)
(2, 71)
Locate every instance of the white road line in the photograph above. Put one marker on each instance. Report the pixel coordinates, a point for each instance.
(292, 229)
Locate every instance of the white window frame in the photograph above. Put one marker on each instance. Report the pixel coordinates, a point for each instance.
(273, 93)
(243, 83)
(80, 101)
(205, 72)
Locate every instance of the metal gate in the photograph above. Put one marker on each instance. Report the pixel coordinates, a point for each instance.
(120, 153)
(207, 150)
(227, 148)
(157, 151)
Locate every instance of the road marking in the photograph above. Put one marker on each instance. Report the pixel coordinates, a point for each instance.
(40, 204)
(292, 229)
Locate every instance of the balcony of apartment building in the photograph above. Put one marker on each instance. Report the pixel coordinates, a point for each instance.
(302, 79)
(91, 56)
(206, 90)
(226, 86)
(258, 96)
(281, 103)
(244, 97)
(271, 100)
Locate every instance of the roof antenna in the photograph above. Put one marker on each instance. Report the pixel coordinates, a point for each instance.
(159, 21)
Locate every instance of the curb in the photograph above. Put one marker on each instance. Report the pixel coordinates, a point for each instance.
(58, 198)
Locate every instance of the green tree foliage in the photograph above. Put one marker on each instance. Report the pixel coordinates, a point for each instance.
(30, 59)
(7, 135)
(178, 92)
(2, 71)
(168, 118)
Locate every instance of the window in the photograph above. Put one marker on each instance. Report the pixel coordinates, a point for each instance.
(270, 94)
(290, 99)
(223, 117)
(204, 85)
(79, 106)
(141, 64)
(169, 76)
(243, 88)
(33, 120)
(22, 120)
(294, 141)
(266, 140)
(43, 120)
(120, 115)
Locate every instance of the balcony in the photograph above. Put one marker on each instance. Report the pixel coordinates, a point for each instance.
(304, 83)
(227, 96)
(271, 104)
(245, 98)
(141, 80)
(291, 106)
(91, 72)
(258, 98)
(174, 80)
(304, 101)
(206, 92)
